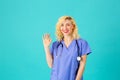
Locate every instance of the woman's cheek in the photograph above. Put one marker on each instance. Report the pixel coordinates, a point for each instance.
(60, 28)
(70, 28)
(61, 31)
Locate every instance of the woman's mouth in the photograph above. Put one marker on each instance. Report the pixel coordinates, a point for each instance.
(65, 31)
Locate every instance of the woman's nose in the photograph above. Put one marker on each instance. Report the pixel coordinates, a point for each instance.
(65, 26)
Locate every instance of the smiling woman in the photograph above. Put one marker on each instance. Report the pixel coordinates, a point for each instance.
(67, 56)
(64, 24)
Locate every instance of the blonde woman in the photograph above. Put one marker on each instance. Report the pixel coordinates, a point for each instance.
(67, 55)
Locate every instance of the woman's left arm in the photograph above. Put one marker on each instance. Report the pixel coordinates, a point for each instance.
(81, 67)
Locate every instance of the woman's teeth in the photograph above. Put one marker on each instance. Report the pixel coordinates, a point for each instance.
(65, 31)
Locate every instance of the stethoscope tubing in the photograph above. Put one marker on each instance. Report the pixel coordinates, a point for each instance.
(78, 49)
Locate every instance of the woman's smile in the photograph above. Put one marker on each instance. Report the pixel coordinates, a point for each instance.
(65, 31)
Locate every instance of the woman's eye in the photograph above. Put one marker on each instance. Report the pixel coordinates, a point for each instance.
(61, 24)
(68, 24)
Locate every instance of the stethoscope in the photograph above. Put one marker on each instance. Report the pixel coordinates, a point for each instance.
(78, 49)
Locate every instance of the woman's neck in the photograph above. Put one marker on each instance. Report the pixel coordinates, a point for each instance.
(68, 39)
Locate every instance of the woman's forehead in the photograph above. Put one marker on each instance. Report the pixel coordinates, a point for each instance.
(66, 21)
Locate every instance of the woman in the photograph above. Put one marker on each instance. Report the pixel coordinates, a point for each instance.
(67, 55)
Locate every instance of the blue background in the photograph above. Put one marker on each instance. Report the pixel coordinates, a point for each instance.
(23, 22)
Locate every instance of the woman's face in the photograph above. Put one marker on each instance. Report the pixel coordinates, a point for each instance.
(66, 28)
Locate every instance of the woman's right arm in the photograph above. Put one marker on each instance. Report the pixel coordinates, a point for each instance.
(46, 42)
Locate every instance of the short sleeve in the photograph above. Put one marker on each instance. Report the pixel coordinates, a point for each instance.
(52, 48)
(85, 48)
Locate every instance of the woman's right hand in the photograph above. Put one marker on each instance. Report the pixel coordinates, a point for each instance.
(46, 40)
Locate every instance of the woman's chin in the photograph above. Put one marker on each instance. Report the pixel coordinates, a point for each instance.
(67, 34)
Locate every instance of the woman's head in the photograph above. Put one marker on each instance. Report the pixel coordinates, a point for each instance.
(66, 26)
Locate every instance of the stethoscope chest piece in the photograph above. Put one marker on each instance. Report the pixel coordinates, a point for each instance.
(78, 58)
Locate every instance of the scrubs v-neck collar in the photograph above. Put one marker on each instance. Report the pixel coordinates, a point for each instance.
(70, 46)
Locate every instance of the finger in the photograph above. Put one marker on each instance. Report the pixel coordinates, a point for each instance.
(47, 35)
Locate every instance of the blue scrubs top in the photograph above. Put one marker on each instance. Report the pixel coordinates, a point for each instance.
(65, 63)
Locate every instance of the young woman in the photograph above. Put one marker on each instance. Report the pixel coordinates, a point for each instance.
(67, 55)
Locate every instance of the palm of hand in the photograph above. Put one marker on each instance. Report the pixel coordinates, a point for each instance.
(46, 40)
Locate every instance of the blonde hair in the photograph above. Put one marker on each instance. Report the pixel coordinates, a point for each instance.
(59, 33)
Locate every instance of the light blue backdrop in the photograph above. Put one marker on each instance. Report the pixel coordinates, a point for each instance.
(23, 22)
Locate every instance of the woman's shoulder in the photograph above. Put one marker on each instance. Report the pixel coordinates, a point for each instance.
(56, 42)
(82, 40)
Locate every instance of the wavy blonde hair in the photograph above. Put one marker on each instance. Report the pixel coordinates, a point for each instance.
(58, 25)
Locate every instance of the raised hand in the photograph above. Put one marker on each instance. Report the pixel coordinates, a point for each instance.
(46, 40)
